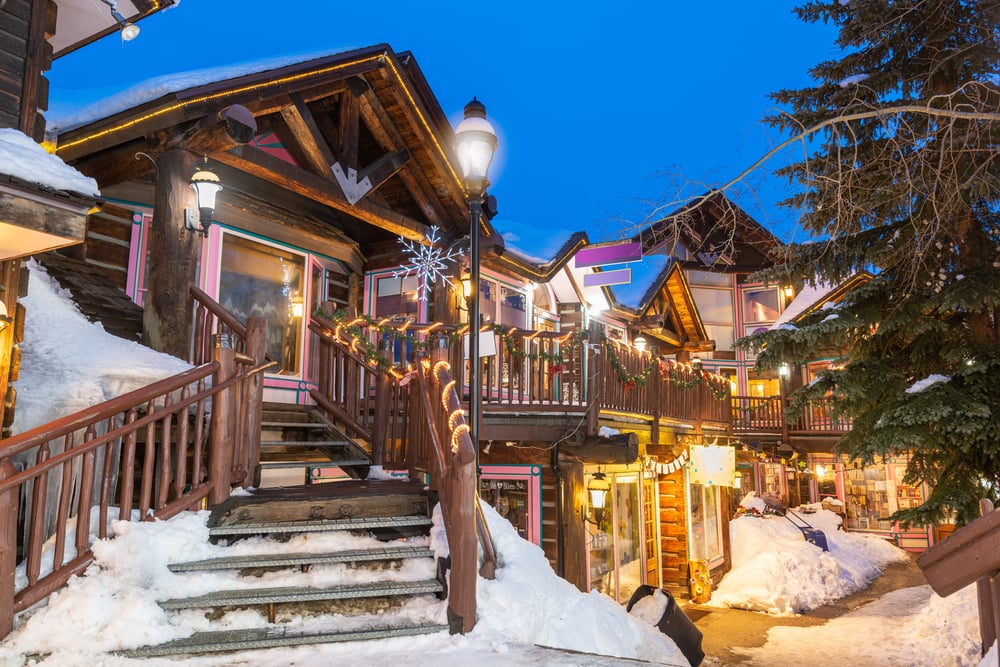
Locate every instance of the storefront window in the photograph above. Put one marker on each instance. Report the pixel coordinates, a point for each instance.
(617, 549)
(706, 523)
(760, 305)
(397, 297)
(258, 280)
(514, 491)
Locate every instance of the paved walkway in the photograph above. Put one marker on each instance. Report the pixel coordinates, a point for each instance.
(726, 629)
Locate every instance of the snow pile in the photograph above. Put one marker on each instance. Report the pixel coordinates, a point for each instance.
(528, 604)
(910, 627)
(26, 160)
(69, 363)
(114, 606)
(776, 571)
(926, 383)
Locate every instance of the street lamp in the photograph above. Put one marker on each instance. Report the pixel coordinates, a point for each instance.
(475, 144)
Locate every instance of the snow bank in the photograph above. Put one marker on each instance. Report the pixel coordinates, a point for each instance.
(69, 363)
(776, 571)
(23, 158)
(528, 604)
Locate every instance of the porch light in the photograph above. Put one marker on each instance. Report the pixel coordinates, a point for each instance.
(789, 291)
(598, 489)
(820, 470)
(206, 185)
(298, 308)
(640, 343)
(784, 371)
(129, 31)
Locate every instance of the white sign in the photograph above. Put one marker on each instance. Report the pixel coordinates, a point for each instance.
(487, 344)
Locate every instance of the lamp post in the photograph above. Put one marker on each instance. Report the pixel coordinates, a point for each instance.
(475, 144)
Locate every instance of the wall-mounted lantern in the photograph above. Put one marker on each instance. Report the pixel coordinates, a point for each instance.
(206, 185)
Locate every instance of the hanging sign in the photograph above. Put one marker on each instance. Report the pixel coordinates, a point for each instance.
(712, 465)
(620, 253)
(667, 468)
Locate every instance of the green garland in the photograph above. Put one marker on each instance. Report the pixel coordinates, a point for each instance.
(357, 327)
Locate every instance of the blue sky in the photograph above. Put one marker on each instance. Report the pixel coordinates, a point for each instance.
(602, 108)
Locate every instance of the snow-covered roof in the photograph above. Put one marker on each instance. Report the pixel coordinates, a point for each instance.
(151, 89)
(645, 275)
(804, 300)
(22, 158)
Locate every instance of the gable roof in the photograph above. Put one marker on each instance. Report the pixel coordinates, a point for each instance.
(711, 233)
(367, 110)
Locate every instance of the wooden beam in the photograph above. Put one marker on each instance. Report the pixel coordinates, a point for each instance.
(382, 169)
(382, 128)
(348, 131)
(256, 162)
(307, 135)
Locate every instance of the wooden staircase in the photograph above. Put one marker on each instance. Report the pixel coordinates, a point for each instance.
(333, 584)
(296, 441)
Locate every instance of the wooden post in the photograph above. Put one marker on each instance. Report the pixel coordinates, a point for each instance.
(256, 347)
(383, 389)
(465, 549)
(8, 550)
(986, 590)
(658, 391)
(173, 258)
(221, 441)
(595, 381)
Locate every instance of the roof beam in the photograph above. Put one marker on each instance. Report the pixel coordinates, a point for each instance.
(256, 162)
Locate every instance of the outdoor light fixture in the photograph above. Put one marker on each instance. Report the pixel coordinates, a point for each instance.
(475, 145)
(784, 371)
(598, 489)
(640, 343)
(298, 308)
(129, 31)
(789, 291)
(696, 363)
(206, 185)
(820, 470)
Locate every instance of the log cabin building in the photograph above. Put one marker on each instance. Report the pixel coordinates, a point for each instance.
(328, 168)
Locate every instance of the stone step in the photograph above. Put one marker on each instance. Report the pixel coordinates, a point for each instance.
(314, 461)
(259, 638)
(289, 594)
(290, 527)
(293, 560)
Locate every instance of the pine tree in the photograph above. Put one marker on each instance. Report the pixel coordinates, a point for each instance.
(902, 179)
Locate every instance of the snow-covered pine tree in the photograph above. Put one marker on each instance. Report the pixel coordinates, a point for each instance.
(902, 178)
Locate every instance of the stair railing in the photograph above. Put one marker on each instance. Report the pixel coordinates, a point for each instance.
(369, 400)
(150, 453)
(446, 453)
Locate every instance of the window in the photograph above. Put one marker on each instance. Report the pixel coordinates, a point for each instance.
(760, 305)
(513, 308)
(706, 523)
(396, 297)
(514, 491)
(259, 280)
(617, 549)
(716, 309)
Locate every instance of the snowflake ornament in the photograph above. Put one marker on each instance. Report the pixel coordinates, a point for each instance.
(428, 262)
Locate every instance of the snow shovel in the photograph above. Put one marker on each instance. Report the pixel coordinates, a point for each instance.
(813, 536)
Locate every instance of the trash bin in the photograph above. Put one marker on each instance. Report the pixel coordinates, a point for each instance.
(674, 624)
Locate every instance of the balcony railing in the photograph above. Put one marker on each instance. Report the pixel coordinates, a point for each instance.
(755, 414)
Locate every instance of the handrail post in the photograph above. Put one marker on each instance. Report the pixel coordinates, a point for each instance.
(8, 549)
(256, 347)
(380, 429)
(221, 444)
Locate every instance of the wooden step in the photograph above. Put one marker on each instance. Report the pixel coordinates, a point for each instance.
(314, 461)
(258, 638)
(289, 527)
(288, 594)
(294, 560)
(303, 443)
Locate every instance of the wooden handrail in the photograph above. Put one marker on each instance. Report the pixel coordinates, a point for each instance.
(223, 315)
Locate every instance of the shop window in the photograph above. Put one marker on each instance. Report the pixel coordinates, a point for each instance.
(513, 308)
(514, 491)
(259, 280)
(618, 544)
(706, 523)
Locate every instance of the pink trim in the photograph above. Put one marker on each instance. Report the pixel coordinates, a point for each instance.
(532, 474)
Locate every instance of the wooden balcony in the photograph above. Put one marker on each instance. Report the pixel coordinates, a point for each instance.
(764, 416)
